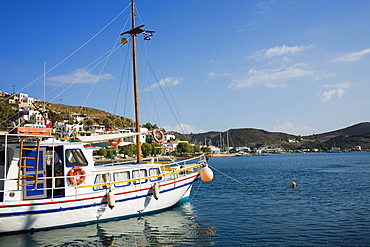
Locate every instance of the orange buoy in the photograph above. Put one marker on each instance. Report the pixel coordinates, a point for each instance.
(115, 143)
(206, 174)
(110, 199)
(155, 134)
(77, 175)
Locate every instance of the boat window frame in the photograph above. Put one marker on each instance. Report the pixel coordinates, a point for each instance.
(125, 183)
(77, 154)
(100, 176)
(141, 181)
(157, 174)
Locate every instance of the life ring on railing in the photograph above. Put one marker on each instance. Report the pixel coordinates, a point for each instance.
(76, 175)
(156, 132)
(115, 143)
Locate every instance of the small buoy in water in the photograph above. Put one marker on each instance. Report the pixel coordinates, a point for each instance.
(294, 184)
(206, 174)
(155, 189)
(110, 199)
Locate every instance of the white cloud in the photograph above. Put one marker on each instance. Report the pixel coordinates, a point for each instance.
(79, 76)
(264, 6)
(270, 77)
(341, 85)
(184, 129)
(323, 75)
(326, 96)
(214, 74)
(280, 50)
(214, 61)
(352, 57)
(168, 81)
(292, 129)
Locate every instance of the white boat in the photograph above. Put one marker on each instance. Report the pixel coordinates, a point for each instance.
(49, 183)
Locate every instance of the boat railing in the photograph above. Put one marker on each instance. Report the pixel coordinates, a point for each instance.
(173, 172)
(167, 174)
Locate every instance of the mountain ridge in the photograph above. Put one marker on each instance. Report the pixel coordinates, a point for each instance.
(348, 137)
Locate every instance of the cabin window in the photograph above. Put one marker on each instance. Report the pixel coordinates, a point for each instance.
(75, 157)
(9, 154)
(121, 176)
(142, 173)
(101, 180)
(154, 172)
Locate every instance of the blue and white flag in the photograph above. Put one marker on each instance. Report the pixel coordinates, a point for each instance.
(148, 35)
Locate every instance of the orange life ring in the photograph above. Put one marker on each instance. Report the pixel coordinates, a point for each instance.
(115, 143)
(154, 134)
(76, 175)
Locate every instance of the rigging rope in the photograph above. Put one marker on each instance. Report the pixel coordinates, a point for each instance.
(170, 102)
(120, 84)
(85, 74)
(88, 41)
(149, 86)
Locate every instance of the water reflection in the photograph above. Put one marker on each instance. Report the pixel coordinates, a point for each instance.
(176, 226)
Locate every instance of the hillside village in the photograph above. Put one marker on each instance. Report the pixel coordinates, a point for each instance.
(68, 122)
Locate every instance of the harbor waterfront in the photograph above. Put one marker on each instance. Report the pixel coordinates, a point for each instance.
(328, 207)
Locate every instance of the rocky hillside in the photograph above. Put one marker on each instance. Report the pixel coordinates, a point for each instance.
(93, 116)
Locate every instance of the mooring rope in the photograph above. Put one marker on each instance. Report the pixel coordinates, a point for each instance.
(231, 177)
(196, 190)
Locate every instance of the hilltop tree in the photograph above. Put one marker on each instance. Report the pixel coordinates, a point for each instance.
(146, 149)
(206, 149)
(196, 149)
(89, 122)
(128, 150)
(156, 150)
(184, 147)
(150, 126)
(7, 115)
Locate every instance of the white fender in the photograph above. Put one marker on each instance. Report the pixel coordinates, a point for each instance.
(155, 189)
(110, 199)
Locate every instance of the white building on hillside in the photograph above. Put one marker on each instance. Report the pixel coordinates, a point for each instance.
(77, 117)
(64, 130)
(133, 138)
(96, 128)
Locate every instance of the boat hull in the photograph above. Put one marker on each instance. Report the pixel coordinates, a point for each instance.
(47, 214)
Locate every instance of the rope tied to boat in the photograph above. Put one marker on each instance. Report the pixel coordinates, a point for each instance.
(197, 190)
(246, 185)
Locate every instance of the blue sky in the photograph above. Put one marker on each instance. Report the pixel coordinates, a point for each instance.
(300, 67)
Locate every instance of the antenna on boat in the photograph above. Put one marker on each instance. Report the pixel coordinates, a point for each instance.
(133, 32)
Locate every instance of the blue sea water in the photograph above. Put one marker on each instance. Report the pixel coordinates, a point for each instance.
(329, 207)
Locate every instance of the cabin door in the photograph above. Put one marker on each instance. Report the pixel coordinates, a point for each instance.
(29, 191)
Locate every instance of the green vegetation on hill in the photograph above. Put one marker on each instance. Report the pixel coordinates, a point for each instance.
(7, 116)
(60, 112)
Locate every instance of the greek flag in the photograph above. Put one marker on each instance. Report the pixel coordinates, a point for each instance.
(148, 35)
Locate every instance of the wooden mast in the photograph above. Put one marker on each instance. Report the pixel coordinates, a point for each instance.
(136, 87)
(133, 32)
